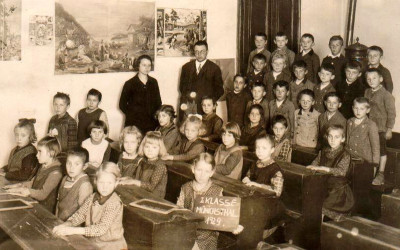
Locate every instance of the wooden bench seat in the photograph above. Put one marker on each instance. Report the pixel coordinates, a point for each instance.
(356, 233)
(390, 207)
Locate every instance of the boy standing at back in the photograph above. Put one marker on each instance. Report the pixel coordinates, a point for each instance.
(308, 55)
(300, 82)
(326, 74)
(91, 113)
(281, 41)
(375, 54)
(237, 99)
(350, 88)
(383, 113)
(260, 40)
(336, 58)
(258, 74)
(62, 125)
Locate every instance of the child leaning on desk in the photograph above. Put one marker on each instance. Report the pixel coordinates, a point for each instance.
(203, 168)
(101, 213)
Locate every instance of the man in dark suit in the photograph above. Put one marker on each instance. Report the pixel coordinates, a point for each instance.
(199, 78)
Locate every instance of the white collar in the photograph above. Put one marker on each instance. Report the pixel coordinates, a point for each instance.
(202, 63)
(332, 56)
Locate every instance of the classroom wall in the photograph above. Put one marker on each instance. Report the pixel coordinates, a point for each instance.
(377, 23)
(27, 86)
(323, 19)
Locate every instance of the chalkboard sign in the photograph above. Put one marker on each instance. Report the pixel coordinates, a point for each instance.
(221, 213)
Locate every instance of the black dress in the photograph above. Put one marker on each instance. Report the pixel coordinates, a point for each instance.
(139, 102)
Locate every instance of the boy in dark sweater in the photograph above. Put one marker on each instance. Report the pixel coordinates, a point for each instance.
(308, 55)
(258, 73)
(336, 58)
(350, 88)
(237, 100)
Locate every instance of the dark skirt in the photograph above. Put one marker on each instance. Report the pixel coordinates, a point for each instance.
(340, 197)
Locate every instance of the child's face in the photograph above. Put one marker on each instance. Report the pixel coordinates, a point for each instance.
(336, 47)
(96, 135)
(335, 138)
(131, 144)
(75, 166)
(374, 79)
(306, 102)
(306, 43)
(278, 65)
(92, 102)
(208, 106)
(264, 149)
(239, 84)
(325, 76)
(258, 93)
(279, 130)
(191, 131)
(60, 106)
(255, 116)
(164, 119)
(202, 172)
(228, 139)
(151, 150)
(300, 73)
(374, 57)
(22, 135)
(332, 104)
(106, 183)
(259, 64)
(360, 110)
(352, 74)
(43, 155)
(281, 41)
(281, 93)
(260, 42)
(145, 66)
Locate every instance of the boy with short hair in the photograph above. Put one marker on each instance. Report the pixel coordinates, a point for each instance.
(278, 73)
(336, 58)
(260, 40)
(331, 117)
(308, 55)
(99, 149)
(350, 88)
(300, 83)
(236, 100)
(62, 126)
(383, 113)
(375, 54)
(258, 93)
(281, 105)
(258, 73)
(75, 187)
(362, 133)
(281, 41)
(92, 112)
(326, 74)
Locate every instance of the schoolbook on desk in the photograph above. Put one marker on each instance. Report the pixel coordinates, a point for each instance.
(155, 206)
(13, 204)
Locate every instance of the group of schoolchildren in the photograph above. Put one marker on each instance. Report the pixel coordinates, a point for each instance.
(268, 112)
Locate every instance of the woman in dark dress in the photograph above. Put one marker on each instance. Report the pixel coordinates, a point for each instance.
(140, 98)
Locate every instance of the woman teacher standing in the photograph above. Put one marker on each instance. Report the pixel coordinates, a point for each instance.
(140, 98)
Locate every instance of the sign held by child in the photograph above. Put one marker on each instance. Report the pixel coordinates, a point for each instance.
(220, 213)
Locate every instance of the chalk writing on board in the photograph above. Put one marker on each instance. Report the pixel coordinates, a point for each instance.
(220, 213)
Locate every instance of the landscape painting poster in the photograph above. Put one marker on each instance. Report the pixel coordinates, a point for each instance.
(41, 30)
(178, 30)
(96, 36)
(10, 30)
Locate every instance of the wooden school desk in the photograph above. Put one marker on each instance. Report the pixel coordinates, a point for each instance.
(32, 228)
(150, 230)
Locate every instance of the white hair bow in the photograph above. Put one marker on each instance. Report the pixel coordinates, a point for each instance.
(196, 115)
